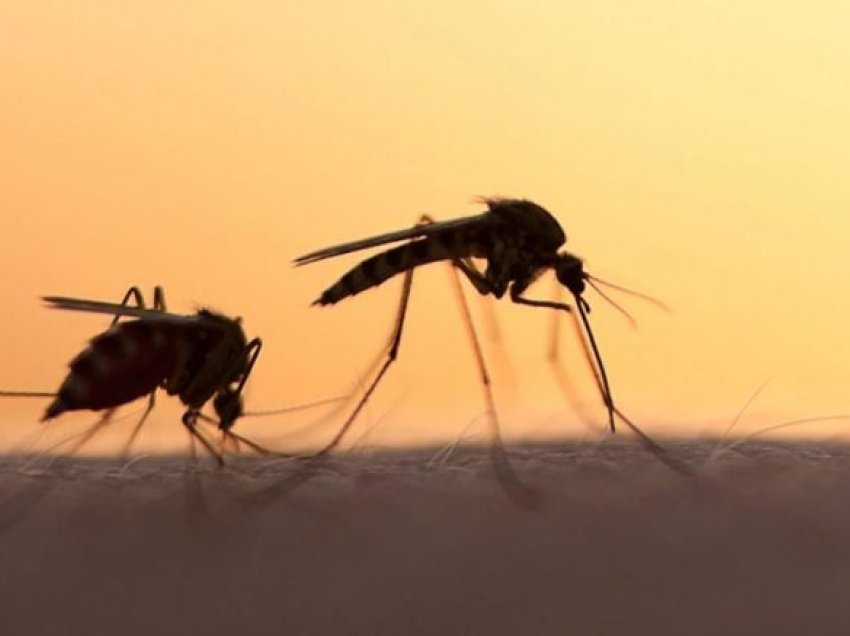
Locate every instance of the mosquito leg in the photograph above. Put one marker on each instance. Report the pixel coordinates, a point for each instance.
(159, 298)
(561, 306)
(196, 507)
(189, 420)
(485, 287)
(137, 429)
(136, 294)
(392, 354)
(316, 460)
(598, 366)
(228, 403)
(257, 448)
(561, 375)
(388, 354)
(236, 439)
(87, 435)
(159, 304)
(650, 444)
(515, 489)
(548, 304)
(481, 283)
(28, 394)
(233, 439)
(92, 431)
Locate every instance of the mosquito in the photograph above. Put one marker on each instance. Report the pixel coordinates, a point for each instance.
(519, 240)
(200, 357)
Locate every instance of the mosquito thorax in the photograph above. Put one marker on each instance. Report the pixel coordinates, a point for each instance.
(217, 358)
(525, 214)
(569, 270)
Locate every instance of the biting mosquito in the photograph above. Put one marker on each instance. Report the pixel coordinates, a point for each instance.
(199, 358)
(519, 240)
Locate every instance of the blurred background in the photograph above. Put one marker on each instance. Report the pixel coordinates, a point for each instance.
(694, 151)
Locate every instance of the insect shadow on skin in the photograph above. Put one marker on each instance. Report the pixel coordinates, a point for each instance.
(519, 240)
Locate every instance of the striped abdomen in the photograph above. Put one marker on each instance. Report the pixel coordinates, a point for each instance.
(381, 267)
(119, 366)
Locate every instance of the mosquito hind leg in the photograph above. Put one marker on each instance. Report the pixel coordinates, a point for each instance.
(136, 295)
(390, 358)
(138, 427)
(92, 431)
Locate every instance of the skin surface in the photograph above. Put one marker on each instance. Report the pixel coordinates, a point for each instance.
(406, 542)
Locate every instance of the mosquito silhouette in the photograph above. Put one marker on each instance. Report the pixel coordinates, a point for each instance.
(200, 357)
(519, 240)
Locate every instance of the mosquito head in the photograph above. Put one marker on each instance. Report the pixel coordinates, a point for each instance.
(227, 405)
(570, 272)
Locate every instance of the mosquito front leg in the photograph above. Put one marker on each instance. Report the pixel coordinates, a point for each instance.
(558, 368)
(598, 367)
(229, 408)
(650, 444)
(92, 431)
(548, 304)
(138, 427)
(189, 420)
(482, 284)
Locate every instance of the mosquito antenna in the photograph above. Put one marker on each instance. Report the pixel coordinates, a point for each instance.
(613, 303)
(605, 387)
(650, 299)
(28, 393)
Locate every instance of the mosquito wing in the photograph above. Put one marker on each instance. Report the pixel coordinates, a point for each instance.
(113, 309)
(391, 237)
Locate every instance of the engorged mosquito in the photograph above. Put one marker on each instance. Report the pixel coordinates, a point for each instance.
(198, 358)
(518, 239)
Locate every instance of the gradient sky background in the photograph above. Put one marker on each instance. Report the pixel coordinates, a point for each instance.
(696, 151)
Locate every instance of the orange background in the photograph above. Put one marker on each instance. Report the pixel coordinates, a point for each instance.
(696, 151)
